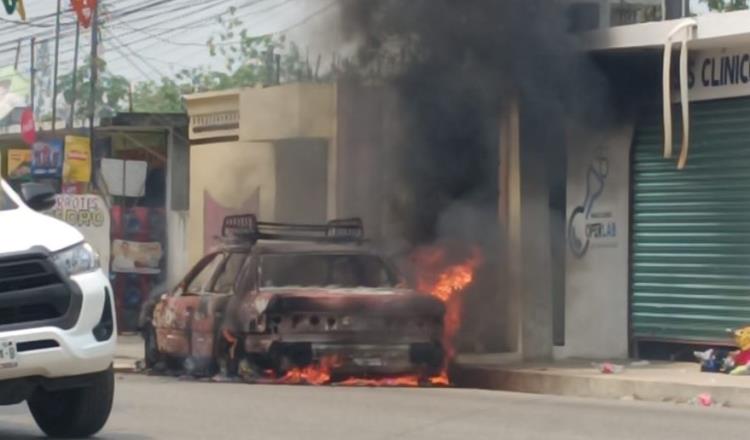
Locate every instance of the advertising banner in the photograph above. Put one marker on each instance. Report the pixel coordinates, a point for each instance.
(47, 158)
(19, 164)
(77, 163)
(136, 257)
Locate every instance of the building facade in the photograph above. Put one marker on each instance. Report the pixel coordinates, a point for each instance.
(658, 218)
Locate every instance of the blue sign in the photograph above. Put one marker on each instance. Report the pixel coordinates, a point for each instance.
(47, 158)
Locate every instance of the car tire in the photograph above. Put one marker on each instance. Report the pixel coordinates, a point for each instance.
(152, 357)
(74, 413)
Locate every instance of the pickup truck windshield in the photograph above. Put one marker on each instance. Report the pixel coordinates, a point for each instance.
(5, 201)
(325, 270)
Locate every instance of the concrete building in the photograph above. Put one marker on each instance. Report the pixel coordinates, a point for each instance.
(275, 152)
(657, 224)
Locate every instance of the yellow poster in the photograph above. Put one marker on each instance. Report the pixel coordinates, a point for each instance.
(19, 164)
(77, 165)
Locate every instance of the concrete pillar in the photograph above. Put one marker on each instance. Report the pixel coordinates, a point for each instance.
(510, 222)
(525, 220)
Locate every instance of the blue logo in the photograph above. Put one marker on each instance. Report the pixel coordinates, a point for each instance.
(596, 180)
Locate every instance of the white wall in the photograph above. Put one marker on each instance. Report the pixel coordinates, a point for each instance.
(596, 286)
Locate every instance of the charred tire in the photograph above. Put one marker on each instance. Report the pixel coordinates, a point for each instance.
(74, 413)
(152, 356)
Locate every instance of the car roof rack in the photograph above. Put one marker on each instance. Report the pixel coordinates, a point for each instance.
(246, 227)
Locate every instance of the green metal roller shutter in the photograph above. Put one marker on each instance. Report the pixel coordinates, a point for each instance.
(690, 250)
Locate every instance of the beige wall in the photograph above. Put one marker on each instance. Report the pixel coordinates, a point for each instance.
(230, 172)
(288, 112)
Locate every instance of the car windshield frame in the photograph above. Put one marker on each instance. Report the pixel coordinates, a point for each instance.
(6, 202)
(390, 279)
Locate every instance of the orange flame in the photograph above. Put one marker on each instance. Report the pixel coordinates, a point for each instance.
(446, 281)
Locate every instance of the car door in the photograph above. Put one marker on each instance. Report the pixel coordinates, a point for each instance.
(212, 305)
(174, 314)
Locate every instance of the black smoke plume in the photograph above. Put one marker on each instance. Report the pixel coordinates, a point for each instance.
(452, 65)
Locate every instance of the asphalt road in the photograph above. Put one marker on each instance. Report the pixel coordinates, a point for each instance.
(165, 408)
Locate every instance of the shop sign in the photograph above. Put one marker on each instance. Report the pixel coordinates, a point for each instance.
(47, 158)
(19, 164)
(77, 165)
(717, 74)
(88, 213)
(590, 226)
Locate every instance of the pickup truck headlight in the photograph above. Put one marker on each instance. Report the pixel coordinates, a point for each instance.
(76, 260)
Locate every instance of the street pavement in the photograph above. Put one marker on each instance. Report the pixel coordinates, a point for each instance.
(167, 408)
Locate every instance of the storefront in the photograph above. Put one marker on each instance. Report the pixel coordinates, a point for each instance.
(690, 246)
(658, 257)
(118, 195)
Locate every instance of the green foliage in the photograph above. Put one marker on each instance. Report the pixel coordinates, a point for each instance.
(249, 61)
(726, 5)
(111, 90)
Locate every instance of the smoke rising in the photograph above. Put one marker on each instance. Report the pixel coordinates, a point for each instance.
(452, 65)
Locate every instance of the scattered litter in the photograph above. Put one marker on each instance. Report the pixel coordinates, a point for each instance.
(704, 400)
(608, 368)
(743, 370)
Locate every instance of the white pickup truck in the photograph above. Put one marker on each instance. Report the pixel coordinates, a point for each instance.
(57, 320)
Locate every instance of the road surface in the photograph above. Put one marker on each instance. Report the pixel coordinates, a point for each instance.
(165, 408)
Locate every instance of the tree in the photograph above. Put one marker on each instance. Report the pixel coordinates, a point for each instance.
(251, 60)
(164, 97)
(111, 90)
(248, 62)
(726, 5)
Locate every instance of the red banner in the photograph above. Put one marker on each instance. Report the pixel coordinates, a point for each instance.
(28, 127)
(84, 10)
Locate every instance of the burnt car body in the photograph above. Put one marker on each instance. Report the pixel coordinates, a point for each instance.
(280, 296)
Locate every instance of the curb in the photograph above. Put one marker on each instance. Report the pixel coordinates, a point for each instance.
(604, 387)
(125, 367)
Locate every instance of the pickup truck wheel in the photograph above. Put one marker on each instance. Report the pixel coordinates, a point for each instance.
(74, 413)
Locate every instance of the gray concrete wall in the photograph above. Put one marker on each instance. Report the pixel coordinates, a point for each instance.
(596, 288)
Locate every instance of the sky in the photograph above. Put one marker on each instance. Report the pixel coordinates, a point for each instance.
(167, 35)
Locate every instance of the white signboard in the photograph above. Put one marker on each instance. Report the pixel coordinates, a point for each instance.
(717, 74)
(89, 214)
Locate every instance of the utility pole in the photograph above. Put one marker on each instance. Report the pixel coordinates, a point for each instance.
(57, 56)
(72, 120)
(94, 74)
(33, 71)
(18, 55)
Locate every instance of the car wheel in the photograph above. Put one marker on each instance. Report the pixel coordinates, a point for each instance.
(74, 413)
(152, 356)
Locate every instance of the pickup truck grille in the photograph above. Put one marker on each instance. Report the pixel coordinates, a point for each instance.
(31, 291)
(27, 273)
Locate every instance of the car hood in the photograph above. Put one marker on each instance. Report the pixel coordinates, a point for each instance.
(23, 229)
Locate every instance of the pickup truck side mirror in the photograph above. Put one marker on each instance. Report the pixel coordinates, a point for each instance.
(38, 196)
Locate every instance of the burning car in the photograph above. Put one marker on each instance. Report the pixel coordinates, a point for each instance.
(277, 299)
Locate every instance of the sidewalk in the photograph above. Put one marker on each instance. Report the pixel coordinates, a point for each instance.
(129, 351)
(654, 381)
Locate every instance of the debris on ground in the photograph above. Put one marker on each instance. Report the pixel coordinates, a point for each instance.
(639, 364)
(608, 368)
(736, 363)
